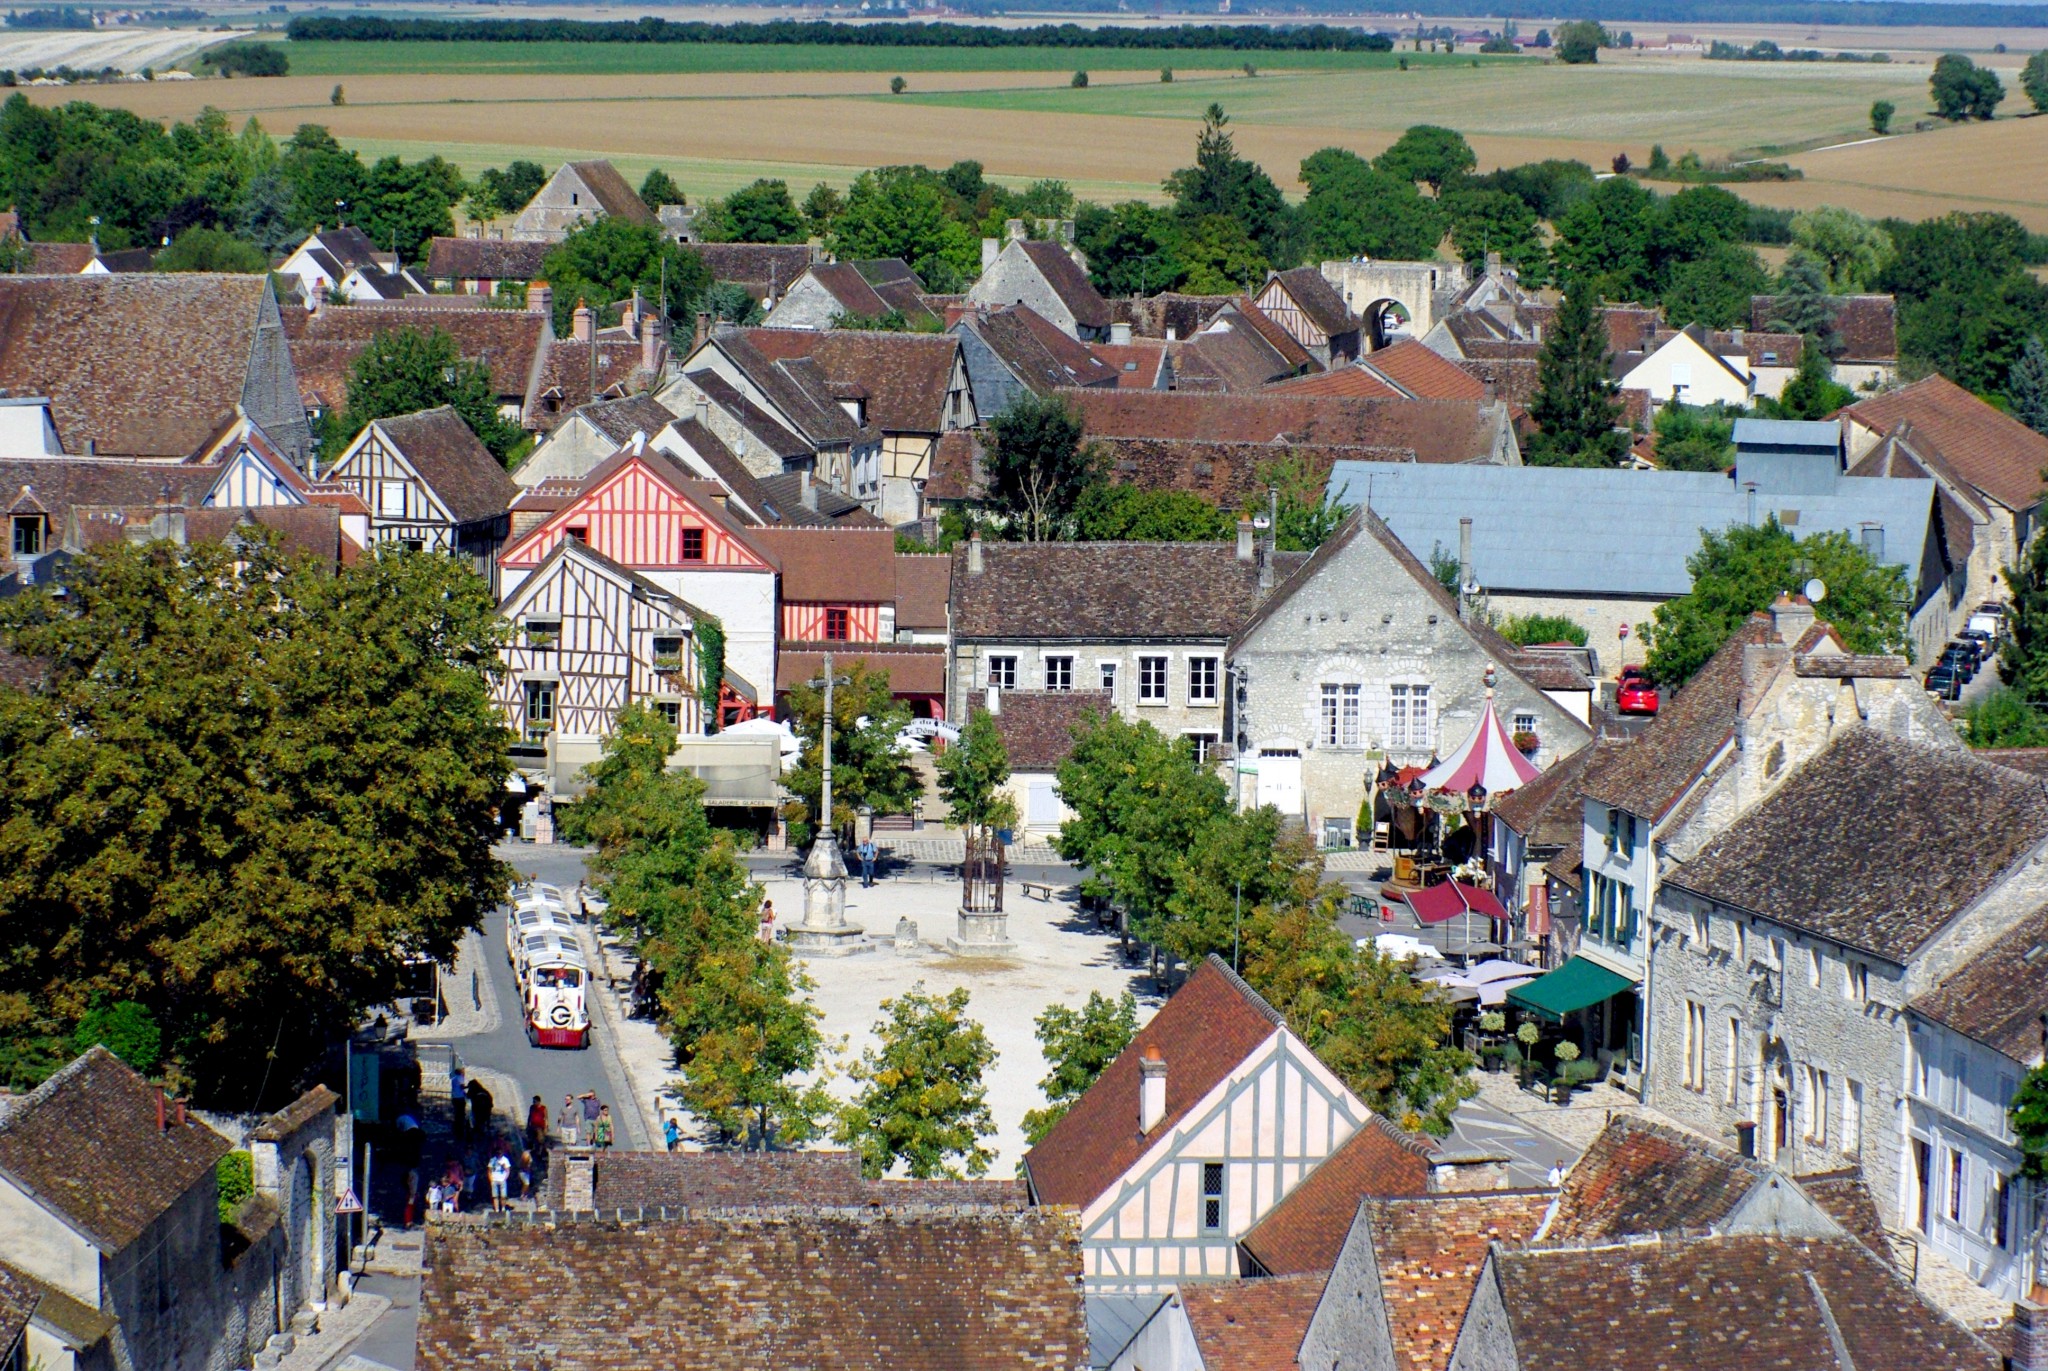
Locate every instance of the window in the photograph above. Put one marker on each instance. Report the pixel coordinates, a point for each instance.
(1741, 943)
(1734, 1057)
(1059, 673)
(1856, 982)
(2001, 1210)
(693, 544)
(1340, 716)
(1108, 674)
(1525, 722)
(668, 652)
(390, 498)
(1408, 717)
(1816, 1086)
(543, 634)
(1958, 1083)
(1002, 672)
(1212, 1197)
(579, 534)
(540, 708)
(1918, 1067)
(28, 535)
(1852, 1118)
(1955, 1185)
(1695, 1046)
(1777, 954)
(1700, 931)
(671, 712)
(837, 628)
(1152, 680)
(1202, 681)
(1813, 967)
(1205, 747)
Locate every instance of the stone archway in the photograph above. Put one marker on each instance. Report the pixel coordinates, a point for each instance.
(1387, 321)
(1424, 291)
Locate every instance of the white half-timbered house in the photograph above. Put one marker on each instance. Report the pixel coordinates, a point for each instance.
(1211, 1117)
(647, 513)
(590, 637)
(1313, 313)
(429, 484)
(254, 472)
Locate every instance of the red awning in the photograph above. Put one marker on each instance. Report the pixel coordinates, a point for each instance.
(1440, 903)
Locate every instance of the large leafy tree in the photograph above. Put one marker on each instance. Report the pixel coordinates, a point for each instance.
(1579, 42)
(1112, 511)
(1715, 289)
(205, 249)
(905, 212)
(1038, 466)
(2027, 385)
(1849, 249)
(1604, 240)
(1221, 258)
(1695, 438)
(1354, 208)
(1964, 90)
(762, 212)
(249, 789)
(1813, 392)
(1575, 406)
(1079, 1044)
(1133, 248)
(604, 261)
(867, 769)
(1223, 183)
(748, 1037)
(922, 1101)
(658, 188)
(2004, 718)
(973, 775)
(405, 205)
(405, 371)
(2023, 658)
(1741, 570)
(1139, 804)
(2029, 1115)
(2034, 81)
(1429, 154)
(496, 192)
(1494, 221)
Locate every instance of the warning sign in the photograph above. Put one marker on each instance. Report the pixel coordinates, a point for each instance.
(348, 1203)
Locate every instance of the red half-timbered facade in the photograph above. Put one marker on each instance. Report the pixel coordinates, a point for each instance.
(831, 623)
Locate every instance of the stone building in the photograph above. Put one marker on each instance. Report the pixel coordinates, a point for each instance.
(577, 194)
(1360, 658)
(826, 292)
(1784, 954)
(1046, 277)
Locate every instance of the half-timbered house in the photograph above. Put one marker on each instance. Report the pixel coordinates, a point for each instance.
(647, 513)
(429, 484)
(839, 594)
(1313, 313)
(254, 470)
(1211, 1117)
(779, 414)
(590, 637)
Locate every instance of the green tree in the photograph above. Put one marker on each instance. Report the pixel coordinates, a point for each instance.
(1484, 221)
(1110, 511)
(1850, 250)
(1427, 153)
(268, 214)
(1353, 209)
(1138, 803)
(1881, 112)
(326, 179)
(1813, 392)
(2023, 658)
(2026, 386)
(404, 205)
(922, 1101)
(762, 212)
(205, 249)
(1223, 183)
(822, 208)
(2034, 81)
(1132, 248)
(2004, 718)
(235, 1176)
(1078, 1045)
(903, 212)
(1715, 289)
(730, 302)
(1575, 406)
(1037, 465)
(659, 188)
(200, 811)
(496, 192)
(1221, 258)
(867, 770)
(1802, 306)
(1741, 570)
(2029, 1115)
(1695, 438)
(405, 371)
(1604, 240)
(1238, 863)
(1579, 42)
(605, 260)
(125, 1028)
(1304, 518)
(747, 1035)
(1693, 224)
(1964, 90)
(897, 85)
(973, 774)
(1526, 629)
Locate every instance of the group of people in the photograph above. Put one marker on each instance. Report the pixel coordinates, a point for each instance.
(505, 1169)
(583, 1119)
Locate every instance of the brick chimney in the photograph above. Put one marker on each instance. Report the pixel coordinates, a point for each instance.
(974, 563)
(703, 330)
(579, 1179)
(1151, 1088)
(652, 334)
(2029, 1334)
(540, 297)
(583, 325)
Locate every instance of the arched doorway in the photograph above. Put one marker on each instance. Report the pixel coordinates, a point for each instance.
(1387, 321)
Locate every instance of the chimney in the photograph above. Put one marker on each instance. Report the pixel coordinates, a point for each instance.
(159, 1109)
(579, 1179)
(1488, 394)
(1735, 336)
(990, 250)
(178, 1113)
(1013, 231)
(540, 297)
(1119, 335)
(1151, 1089)
(974, 565)
(1464, 560)
(704, 410)
(703, 330)
(1245, 551)
(994, 702)
(582, 327)
(1791, 616)
(2029, 1336)
(1493, 264)
(928, 529)
(808, 491)
(651, 332)
(634, 318)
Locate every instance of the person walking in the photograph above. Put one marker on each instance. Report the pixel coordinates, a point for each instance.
(867, 861)
(601, 1131)
(525, 1174)
(671, 1134)
(458, 1098)
(566, 1120)
(767, 921)
(536, 1126)
(501, 1178)
(590, 1106)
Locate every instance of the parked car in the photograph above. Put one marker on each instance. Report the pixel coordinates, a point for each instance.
(1633, 693)
(1944, 681)
(1961, 657)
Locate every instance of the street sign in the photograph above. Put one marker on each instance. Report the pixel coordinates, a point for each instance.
(348, 1203)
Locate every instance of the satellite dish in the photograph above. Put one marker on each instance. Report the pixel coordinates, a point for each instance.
(1471, 589)
(1261, 521)
(1816, 591)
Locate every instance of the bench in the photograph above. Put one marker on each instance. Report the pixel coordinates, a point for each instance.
(1041, 889)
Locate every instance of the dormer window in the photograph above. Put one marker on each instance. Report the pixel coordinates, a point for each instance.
(28, 535)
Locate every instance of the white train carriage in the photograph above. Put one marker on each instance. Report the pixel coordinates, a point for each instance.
(555, 988)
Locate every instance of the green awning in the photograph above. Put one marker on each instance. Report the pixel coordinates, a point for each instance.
(1574, 985)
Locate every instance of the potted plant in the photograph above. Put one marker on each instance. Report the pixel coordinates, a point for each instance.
(1527, 1035)
(1570, 1070)
(1525, 742)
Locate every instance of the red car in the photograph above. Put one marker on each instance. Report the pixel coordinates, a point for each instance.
(1633, 693)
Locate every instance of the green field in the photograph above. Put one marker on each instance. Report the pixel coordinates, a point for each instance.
(638, 59)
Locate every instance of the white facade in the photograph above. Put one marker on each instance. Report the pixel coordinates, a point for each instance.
(1682, 371)
(1961, 1168)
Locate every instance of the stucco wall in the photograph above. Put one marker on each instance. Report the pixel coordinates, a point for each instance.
(807, 305)
(1177, 716)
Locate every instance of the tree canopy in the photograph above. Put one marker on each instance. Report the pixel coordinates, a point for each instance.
(1221, 183)
(1575, 406)
(866, 767)
(763, 212)
(972, 775)
(922, 1101)
(1078, 1045)
(906, 212)
(1429, 154)
(605, 260)
(405, 371)
(1038, 466)
(1964, 90)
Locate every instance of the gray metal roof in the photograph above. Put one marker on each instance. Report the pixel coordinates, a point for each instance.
(1598, 532)
(1787, 433)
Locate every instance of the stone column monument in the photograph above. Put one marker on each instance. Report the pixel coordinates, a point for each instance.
(824, 931)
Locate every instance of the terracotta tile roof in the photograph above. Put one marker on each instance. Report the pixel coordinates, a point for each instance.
(839, 565)
(913, 668)
(1802, 856)
(19, 1297)
(459, 469)
(1844, 666)
(1846, 1198)
(924, 585)
(1138, 364)
(86, 1145)
(835, 510)
(1233, 354)
(1038, 725)
(827, 1289)
(1069, 282)
(566, 382)
(136, 365)
(1252, 1325)
(1355, 381)
(745, 1180)
(1994, 452)
(1514, 379)
(1726, 1304)
(1549, 811)
(1156, 316)
(1268, 328)
(618, 420)
(2000, 994)
(1107, 590)
(1424, 373)
(2032, 760)
(1225, 474)
(796, 386)
(487, 259)
(1430, 1250)
(844, 283)
(1867, 325)
(313, 530)
(905, 376)
(61, 259)
(1433, 430)
(57, 485)
(614, 196)
(1306, 1230)
(296, 1115)
(77, 1323)
(750, 416)
(956, 468)
(1566, 867)
(1318, 299)
(325, 345)
(1212, 1023)
(758, 266)
(1036, 352)
(1642, 1177)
